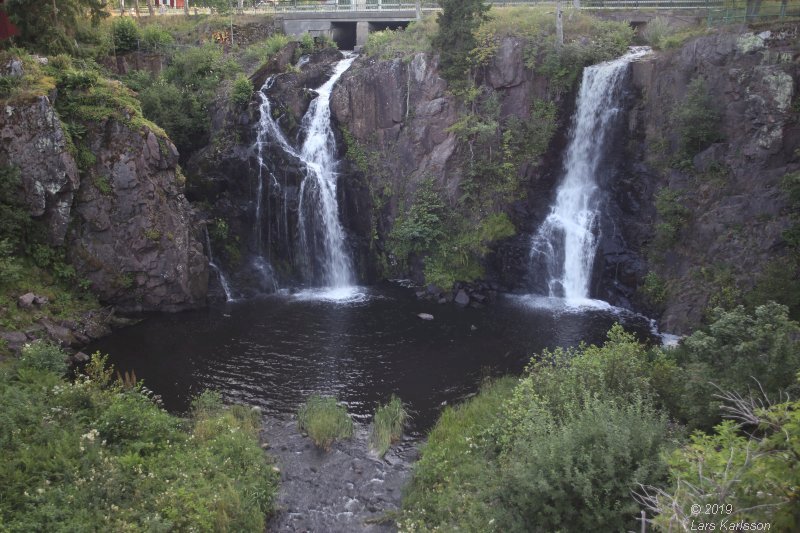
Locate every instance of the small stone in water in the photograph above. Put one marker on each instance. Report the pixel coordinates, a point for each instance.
(425, 316)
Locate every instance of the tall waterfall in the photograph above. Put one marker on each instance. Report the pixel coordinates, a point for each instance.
(321, 252)
(322, 238)
(564, 247)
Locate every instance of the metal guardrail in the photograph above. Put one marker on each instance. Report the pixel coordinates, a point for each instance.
(333, 6)
(720, 17)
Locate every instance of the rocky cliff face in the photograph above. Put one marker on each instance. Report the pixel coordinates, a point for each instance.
(124, 221)
(33, 140)
(735, 209)
(133, 234)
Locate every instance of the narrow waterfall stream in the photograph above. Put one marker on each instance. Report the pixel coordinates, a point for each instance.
(322, 239)
(563, 249)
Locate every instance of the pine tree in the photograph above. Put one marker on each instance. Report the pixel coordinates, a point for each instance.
(455, 39)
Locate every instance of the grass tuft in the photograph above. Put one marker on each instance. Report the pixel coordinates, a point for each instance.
(387, 425)
(324, 420)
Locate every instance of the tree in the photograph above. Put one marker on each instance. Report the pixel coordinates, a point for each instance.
(559, 26)
(49, 28)
(455, 39)
(150, 9)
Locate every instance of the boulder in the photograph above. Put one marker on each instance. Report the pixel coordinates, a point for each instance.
(462, 298)
(26, 300)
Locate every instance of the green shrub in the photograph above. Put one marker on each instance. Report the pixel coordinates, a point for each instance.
(654, 289)
(738, 351)
(126, 34)
(261, 52)
(242, 90)
(155, 38)
(752, 476)
(387, 425)
(324, 420)
(404, 43)
(561, 450)
(697, 118)
(41, 355)
(673, 215)
(577, 474)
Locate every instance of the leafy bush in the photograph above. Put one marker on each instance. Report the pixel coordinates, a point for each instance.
(94, 455)
(404, 43)
(259, 53)
(577, 474)
(126, 34)
(738, 351)
(155, 38)
(654, 289)
(242, 90)
(562, 449)
(697, 118)
(41, 355)
(387, 425)
(324, 420)
(751, 475)
(673, 215)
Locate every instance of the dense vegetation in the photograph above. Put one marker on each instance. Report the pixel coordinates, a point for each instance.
(566, 446)
(95, 453)
(324, 420)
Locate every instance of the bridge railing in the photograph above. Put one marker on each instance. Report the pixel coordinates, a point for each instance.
(323, 6)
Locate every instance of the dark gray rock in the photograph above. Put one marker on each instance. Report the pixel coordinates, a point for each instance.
(462, 298)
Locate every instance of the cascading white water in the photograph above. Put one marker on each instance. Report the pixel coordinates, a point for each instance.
(226, 286)
(566, 242)
(321, 233)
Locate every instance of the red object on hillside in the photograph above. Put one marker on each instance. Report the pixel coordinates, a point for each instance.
(6, 28)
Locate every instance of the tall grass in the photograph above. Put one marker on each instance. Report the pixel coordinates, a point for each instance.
(404, 43)
(387, 425)
(324, 420)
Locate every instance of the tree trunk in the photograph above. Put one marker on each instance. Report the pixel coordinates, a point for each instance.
(783, 7)
(186, 7)
(241, 6)
(55, 14)
(136, 8)
(121, 7)
(150, 8)
(559, 26)
(419, 10)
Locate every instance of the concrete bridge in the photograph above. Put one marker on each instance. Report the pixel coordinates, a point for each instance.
(349, 22)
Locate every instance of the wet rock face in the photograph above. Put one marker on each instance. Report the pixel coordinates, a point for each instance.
(32, 140)
(732, 189)
(133, 234)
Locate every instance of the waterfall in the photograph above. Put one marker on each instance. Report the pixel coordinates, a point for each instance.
(322, 239)
(226, 286)
(564, 247)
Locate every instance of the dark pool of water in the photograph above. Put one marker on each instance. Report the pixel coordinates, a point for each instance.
(275, 351)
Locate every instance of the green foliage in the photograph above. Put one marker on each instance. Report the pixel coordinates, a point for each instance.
(738, 351)
(753, 477)
(324, 420)
(455, 477)
(673, 215)
(41, 355)
(697, 119)
(654, 289)
(455, 39)
(156, 38)
(15, 222)
(259, 53)
(242, 90)
(126, 34)
(97, 455)
(422, 226)
(387, 425)
(47, 31)
(404, 43)
(562, 449)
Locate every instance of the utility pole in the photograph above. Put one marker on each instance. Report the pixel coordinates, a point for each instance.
(559, 26)
(419, 10)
